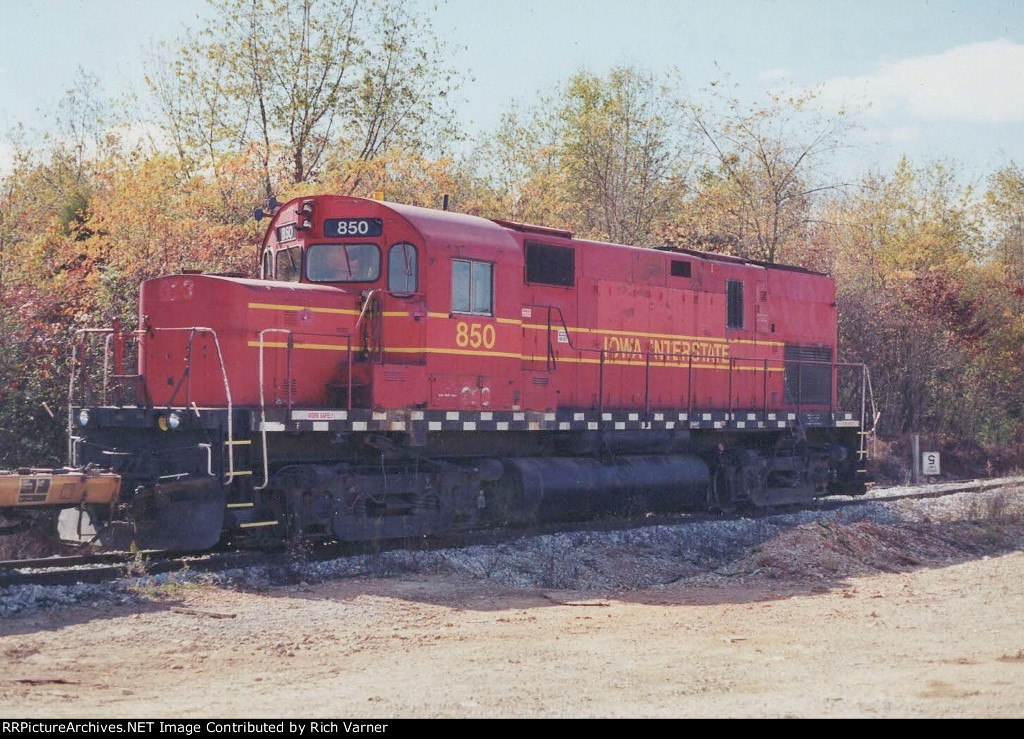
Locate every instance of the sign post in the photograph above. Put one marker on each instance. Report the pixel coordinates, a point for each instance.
(915, 459)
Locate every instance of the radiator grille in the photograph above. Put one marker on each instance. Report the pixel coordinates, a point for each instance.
(807, 381)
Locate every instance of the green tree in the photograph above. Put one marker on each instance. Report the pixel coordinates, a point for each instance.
(1004, 206)
(905, 250)
(516, 172)
(624, 159)
(38, 289)
(1001, 367)
(604, 156)
(302, 81)
(905, 225)
(83, 219)
(765, 165)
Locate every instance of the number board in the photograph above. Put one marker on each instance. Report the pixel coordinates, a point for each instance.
(286, 232)
(349, 227)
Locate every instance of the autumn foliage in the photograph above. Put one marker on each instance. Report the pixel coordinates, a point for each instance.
(929, 269)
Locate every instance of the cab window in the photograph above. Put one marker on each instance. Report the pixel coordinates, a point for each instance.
(472, 287)
(268, 265)
(288, 264)
(343, 263)
(402, 268)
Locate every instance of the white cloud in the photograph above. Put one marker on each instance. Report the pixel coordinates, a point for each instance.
(980, 83)
(774, 75)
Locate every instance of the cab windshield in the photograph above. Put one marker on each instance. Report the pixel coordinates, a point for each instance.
(343, 263)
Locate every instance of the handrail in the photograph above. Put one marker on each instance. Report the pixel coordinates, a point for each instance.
(230, 475)
(79, 358)
(186, 377)
(661, 359)
(78, 347)
(656, 360)
(366, 303)
(368, 299)
(653, 361)
(263, 402)
(78, 364)
(262, 375)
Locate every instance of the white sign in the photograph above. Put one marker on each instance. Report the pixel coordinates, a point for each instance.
(930, 463)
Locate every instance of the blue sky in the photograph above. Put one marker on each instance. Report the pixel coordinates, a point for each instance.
(944, 78)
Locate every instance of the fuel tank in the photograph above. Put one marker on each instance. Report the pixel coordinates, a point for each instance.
(546, 489)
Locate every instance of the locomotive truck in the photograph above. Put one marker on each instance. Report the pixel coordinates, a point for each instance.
(397, 371)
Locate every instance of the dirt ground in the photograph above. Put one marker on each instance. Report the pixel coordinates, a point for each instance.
(941, 639)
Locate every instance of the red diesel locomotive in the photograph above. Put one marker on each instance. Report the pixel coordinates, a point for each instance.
(398, 371)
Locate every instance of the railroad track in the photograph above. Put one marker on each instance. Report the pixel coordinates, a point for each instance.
(103, 567)
(100, 567)
(935, 490)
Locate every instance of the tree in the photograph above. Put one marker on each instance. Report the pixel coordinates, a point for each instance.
(905, 225)
(906, 249)
(303, 80)
(1004, 201)
(516, 173)
(604, 156)
(624, 160)
(35, 320)
(765, 166)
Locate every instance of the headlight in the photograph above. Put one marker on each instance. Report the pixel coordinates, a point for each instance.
(83, 417)
(169, 422)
